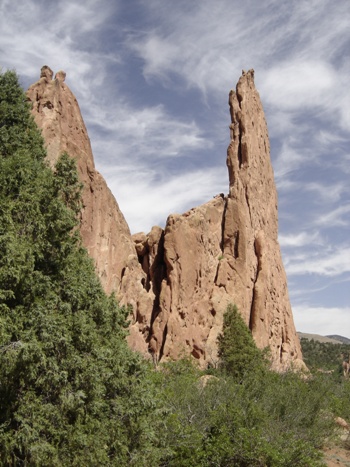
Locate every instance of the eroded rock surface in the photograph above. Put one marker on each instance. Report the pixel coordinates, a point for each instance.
(180, 280)
(227, 251)
(104, 230)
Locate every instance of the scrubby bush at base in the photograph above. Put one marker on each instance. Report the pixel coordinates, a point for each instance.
(261, 420)
(73, 394)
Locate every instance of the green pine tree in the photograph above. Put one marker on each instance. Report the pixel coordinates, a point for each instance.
(71, 392)
(238, 352)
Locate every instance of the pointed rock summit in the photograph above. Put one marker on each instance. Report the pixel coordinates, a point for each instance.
(180, 280)
(104, 230)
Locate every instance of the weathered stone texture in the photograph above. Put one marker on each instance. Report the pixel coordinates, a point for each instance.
(104, 230)
(227, 251)
(180, 280)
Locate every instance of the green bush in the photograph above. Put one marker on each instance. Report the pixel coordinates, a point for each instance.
(238, 352)
(244, 414)
(261, 420)
(71, 392)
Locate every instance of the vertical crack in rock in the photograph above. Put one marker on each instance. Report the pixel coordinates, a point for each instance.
(236, 245)
(258, 253)
(222, 238)
(222, 241)
(239, 117)
(179, 282)
(252, 307)
(158, 274)
(161, 351)
(248, 204)
(235, 133)
(239, 147)
(283, 339)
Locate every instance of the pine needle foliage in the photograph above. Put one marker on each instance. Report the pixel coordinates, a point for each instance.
(237, 350)
(71, 392)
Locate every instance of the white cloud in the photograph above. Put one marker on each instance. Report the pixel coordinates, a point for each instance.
(313, 85)
(205, 35)
(142, 132)
(326, 138)
(61, 35)
(322, 320)
(157, 54)
(335, 217)
(146, 197)
(299, 84)
(328, 193)
(299, 240)
(326, 263)
(288, 160)
(286, 185)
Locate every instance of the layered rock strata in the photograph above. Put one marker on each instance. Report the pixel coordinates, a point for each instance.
(180, 280)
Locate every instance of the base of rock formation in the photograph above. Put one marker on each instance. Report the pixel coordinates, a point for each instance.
(180, 280)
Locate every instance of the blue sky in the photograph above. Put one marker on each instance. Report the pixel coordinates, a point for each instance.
(152, 79)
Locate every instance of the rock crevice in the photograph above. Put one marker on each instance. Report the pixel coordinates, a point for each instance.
(180, 280)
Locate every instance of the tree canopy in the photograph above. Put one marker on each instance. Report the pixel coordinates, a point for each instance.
(238, 352)
(71, 392)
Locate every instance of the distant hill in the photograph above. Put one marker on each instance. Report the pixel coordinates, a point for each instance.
(331, 339)
(324, 352)
(342, 339)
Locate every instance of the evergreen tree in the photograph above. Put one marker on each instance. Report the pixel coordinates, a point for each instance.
(238, 352)
(71, 392)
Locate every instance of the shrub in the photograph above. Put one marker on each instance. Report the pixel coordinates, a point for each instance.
(238, 352)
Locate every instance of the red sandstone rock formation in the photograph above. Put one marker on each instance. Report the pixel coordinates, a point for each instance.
(104, 231)
(179, 280)
(227, 251)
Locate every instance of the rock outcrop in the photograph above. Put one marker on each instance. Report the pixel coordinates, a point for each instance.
(179, 280)
(227, 251)
(104, 230)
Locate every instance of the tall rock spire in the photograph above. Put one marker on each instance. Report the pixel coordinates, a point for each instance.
(180, 280)
(56, 112)
(253, 269)
(227, 251)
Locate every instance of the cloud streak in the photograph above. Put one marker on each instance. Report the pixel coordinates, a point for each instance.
(174, 193)
(336, 217)
(152, 80)
(330, 264)
(300, 240)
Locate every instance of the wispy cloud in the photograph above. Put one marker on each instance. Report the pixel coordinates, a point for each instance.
(333, 263)
(287, 161)
(142, 132)
(204, 42)
(335, 217)
(174, 193)
(327, 193)
(300, 239)
(59, 34)
(299, 84)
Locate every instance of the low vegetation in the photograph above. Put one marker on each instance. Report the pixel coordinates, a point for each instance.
(73, 394)
(324, 356)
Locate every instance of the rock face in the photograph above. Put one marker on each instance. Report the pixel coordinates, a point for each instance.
(104, 230)
(179, 280)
